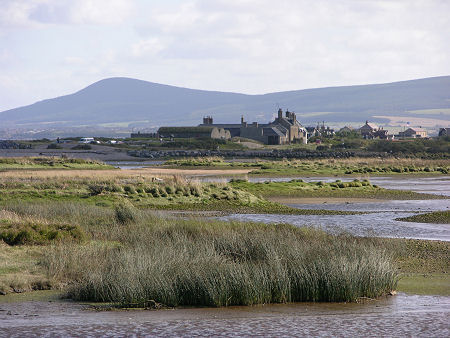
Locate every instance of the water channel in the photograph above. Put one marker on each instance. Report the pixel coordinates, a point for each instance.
(393, 316)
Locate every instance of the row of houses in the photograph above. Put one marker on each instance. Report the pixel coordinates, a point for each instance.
(372, 131)
(283, 130)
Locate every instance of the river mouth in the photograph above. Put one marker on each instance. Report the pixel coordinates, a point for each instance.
(398, 315)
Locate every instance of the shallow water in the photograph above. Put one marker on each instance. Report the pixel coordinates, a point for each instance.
(381, 219)
(380, 224)
(400, 315)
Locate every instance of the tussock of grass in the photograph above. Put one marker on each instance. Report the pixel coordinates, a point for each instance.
(15, 231)
(193, 262)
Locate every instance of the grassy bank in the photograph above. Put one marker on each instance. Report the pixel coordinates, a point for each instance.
(337, 189)
(438, 217)
(326, 167)
(139, 188)
(27, 163)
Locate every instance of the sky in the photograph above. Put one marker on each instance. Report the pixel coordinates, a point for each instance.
(50, 48)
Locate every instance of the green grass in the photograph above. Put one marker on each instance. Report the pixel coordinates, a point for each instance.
(354, 166)
(438, 217)
(169, 194)
(14, 163)
(338, 189)
(20, 270)
(425, 284)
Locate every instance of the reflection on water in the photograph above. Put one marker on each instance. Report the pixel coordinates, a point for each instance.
(401, 315)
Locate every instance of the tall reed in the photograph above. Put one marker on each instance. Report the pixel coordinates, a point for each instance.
(210, 263)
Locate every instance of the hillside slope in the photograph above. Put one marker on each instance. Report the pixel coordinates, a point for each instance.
(126, 100)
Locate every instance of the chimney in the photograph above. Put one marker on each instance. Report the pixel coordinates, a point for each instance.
(280, 114)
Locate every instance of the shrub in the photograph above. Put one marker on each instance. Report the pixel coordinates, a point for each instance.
(54, 146)
(96, 188)
(129, 189)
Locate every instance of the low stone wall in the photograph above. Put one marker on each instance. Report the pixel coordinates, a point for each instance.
(13, 145)
(243, 154)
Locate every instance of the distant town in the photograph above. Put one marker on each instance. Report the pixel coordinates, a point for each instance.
(285, 129)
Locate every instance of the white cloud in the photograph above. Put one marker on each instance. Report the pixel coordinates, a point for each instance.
(251, 46)
(36, 13)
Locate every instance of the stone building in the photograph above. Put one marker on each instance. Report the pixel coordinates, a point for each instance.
(283, 130)
(194, 132)
(371, 131)
(443, 132)
(413, 133)
(368, 130)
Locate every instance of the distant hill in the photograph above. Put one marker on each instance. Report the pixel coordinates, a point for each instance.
(116, 100)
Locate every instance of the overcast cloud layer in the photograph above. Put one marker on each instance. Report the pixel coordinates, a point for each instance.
(50, 48)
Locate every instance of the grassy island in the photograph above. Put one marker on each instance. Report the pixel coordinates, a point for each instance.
(324, 167)
(438, 217)
(141, 189)
(337, 189)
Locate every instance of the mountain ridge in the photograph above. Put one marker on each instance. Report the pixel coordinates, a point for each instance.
(123, 99)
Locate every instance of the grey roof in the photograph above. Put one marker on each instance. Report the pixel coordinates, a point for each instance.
(223, 125)
(273, 131)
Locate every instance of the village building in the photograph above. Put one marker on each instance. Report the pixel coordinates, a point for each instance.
(312, 131)
(194, 132)
(233, 128)
(371, 131)
(413, 133)
(346, 130)
(368, 130)
(143, 135)
(283, 130)
(443, 132)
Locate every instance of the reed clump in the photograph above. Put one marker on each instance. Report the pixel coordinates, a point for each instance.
(196, 262)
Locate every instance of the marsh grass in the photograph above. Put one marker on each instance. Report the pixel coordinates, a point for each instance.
(299, 188)
(141, 189)
(45, 162)
(438, 217)
(350, 166)
(210, 263)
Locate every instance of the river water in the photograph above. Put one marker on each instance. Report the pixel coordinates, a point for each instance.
(381, 219)
(397, 316)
